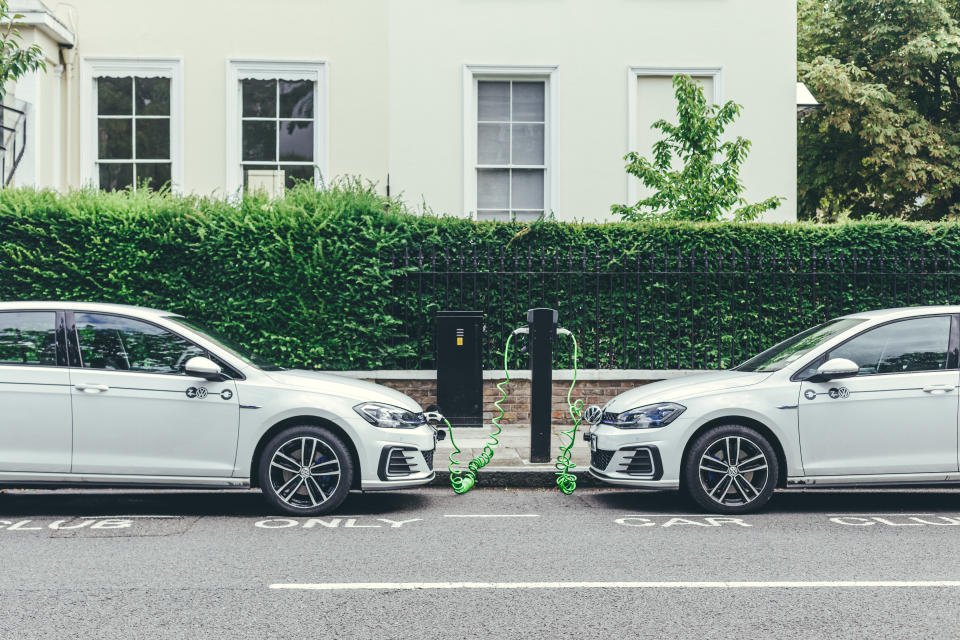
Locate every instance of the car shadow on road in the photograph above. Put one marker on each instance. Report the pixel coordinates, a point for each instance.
(245, 503)
(797, 501)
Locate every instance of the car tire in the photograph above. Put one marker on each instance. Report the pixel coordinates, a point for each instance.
(720, 487)
(305, 490)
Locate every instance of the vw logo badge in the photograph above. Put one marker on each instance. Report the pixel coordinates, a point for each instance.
(201, 393)
(593, 414)
(840, 393)
(191, 392)
(809, 394)
(226, 394)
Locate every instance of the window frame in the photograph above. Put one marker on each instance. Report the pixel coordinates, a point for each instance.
(76, 357)
(93, 68)
(474, 74)
(953, 348)
(243, 69)
(60, 338)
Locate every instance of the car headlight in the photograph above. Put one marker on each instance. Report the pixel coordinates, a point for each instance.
(388, 416)
(650, 416)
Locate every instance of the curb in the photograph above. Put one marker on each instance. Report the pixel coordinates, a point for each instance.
(519, 477)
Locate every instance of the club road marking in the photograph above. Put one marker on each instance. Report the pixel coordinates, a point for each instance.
(785, 584)
(492, 515)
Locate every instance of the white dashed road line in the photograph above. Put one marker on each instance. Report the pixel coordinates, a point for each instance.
(492, 515)
(838, 584)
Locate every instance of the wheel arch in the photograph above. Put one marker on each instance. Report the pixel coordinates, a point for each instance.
(295, 421)
(743, 421)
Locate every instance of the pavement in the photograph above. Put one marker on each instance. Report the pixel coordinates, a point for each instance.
(511, 466)
(491, 563)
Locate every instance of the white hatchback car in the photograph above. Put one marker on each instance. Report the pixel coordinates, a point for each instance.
(866, 399)
(100, 394)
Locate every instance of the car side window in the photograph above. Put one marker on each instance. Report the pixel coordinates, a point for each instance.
(919, 344)
(117, 343)
(28, 337)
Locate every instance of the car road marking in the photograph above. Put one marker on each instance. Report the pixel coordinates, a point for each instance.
(673, 521)
(783, 584)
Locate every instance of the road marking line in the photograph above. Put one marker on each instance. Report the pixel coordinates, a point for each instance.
(870, 515)
(492, 515)
(825, 584)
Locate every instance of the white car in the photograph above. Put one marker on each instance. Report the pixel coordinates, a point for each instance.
(866, 399)
(99, 394)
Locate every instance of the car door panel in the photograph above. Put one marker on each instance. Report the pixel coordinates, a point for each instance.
(136, 412)
(35, 418)
(899, 415)
(147, 424)
(880, 424)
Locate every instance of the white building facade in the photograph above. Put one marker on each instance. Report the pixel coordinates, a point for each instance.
(492, 109)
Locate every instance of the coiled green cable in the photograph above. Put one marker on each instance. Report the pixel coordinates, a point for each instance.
(462, 481)
(566, 481)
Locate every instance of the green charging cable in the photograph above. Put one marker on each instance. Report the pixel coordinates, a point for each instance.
(566, 481)
(462, 481)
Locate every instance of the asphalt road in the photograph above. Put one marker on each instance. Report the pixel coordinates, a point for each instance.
(600, 563)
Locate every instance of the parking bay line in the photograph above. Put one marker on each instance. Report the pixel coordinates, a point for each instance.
(491, 515)
(824, 584)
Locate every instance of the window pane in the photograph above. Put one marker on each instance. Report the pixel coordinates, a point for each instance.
(153, 139)
(114, 96)
(527, 189)
(125, 344)
(296, 173)
(28, 338)
(153, 175)
(296, 141)
(502, 216)
(115, 176)
(527, 216)
(527, 144)
(910, 345)
(493, 101)
(493, 188)
(153, 96)
(259, 98)
(528, 101)
(255, 167)
(259, 140)
(296, 99)
(493, 144)
(115, 139)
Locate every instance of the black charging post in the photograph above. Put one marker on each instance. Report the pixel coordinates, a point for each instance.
(543, 333)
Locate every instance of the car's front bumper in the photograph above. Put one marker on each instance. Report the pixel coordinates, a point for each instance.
(646, 458)
(399, 459)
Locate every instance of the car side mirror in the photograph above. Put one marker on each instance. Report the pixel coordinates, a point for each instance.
(836, 368)
(203, 368)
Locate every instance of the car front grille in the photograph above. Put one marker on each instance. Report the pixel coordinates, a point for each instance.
(638, 462)
(600, 458)
(401, 463)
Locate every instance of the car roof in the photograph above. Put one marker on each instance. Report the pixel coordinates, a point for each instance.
(103, 307)
(904, 312)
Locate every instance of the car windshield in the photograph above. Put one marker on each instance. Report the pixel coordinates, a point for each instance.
(791, 349)
(227, 344)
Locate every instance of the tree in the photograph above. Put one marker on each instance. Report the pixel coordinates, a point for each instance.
(15, 60)
(887, 141)
(707, 186)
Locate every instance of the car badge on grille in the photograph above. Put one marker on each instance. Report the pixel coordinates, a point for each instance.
(593, 414)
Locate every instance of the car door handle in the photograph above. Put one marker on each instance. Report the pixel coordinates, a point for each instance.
(939, 388)
(92, 388)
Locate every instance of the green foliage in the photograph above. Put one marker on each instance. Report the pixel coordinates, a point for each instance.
(704, 189)
(888, 139)
(15, 61)
(331, 280)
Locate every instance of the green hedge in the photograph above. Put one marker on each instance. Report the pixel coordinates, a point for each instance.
(333, 280)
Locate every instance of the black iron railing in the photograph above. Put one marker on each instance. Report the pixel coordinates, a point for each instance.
(656, 311)
(13, 140)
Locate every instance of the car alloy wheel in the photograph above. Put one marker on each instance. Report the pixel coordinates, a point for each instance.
(734, 471)
(304, 472)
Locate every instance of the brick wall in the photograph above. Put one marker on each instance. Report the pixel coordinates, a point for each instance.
(517, 405)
